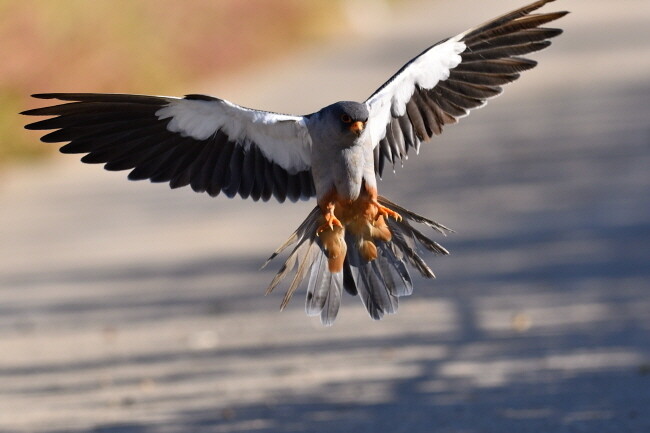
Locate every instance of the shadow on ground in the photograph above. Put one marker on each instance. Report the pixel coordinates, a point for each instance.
(537, 322)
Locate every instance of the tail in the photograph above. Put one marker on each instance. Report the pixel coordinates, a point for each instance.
(379, 281)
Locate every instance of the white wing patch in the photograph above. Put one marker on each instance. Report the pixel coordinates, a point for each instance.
(424, 71)
(282, 138)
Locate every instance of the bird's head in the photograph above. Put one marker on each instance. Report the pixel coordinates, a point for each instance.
(350, 117)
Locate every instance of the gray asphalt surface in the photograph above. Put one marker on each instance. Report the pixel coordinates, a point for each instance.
(126, 307)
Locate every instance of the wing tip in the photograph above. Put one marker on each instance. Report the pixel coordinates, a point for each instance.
(60, 96)
(556, 15)
(37, 111)
(199, 97)
(31, 112)
(44, 95)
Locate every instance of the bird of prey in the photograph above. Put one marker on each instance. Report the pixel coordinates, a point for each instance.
(354, 239)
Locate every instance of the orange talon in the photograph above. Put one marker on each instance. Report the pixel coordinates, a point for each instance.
(330, 221)
(383, 210)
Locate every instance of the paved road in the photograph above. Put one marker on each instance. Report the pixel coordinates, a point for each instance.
(126, 307)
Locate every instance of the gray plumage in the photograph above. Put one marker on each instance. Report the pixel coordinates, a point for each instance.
(354, 239)
(379, 283)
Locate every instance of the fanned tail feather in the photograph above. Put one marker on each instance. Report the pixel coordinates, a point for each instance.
(379, 282)
(304, 237)
(375, 289)
(324, 291)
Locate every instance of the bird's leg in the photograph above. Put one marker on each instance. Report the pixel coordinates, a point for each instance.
(330, 219)
(384, 211)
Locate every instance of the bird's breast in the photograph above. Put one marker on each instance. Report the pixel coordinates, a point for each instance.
(342, 168)
(349, 173)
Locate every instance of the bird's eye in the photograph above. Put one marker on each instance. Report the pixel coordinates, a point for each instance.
(346, 119)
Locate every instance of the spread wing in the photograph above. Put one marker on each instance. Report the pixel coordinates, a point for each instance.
(210, 144)
(442, 84)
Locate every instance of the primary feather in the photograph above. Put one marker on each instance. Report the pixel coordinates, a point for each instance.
(216, 146)
(446, 81)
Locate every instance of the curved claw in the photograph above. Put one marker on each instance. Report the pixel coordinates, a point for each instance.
(386, 212)
(330, 222)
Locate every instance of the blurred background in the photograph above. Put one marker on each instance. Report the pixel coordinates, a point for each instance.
(129, 307)
(141, 47)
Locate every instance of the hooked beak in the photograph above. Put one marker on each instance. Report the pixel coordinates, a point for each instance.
(357, 127)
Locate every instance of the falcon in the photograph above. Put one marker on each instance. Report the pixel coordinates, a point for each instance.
(354, 239)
